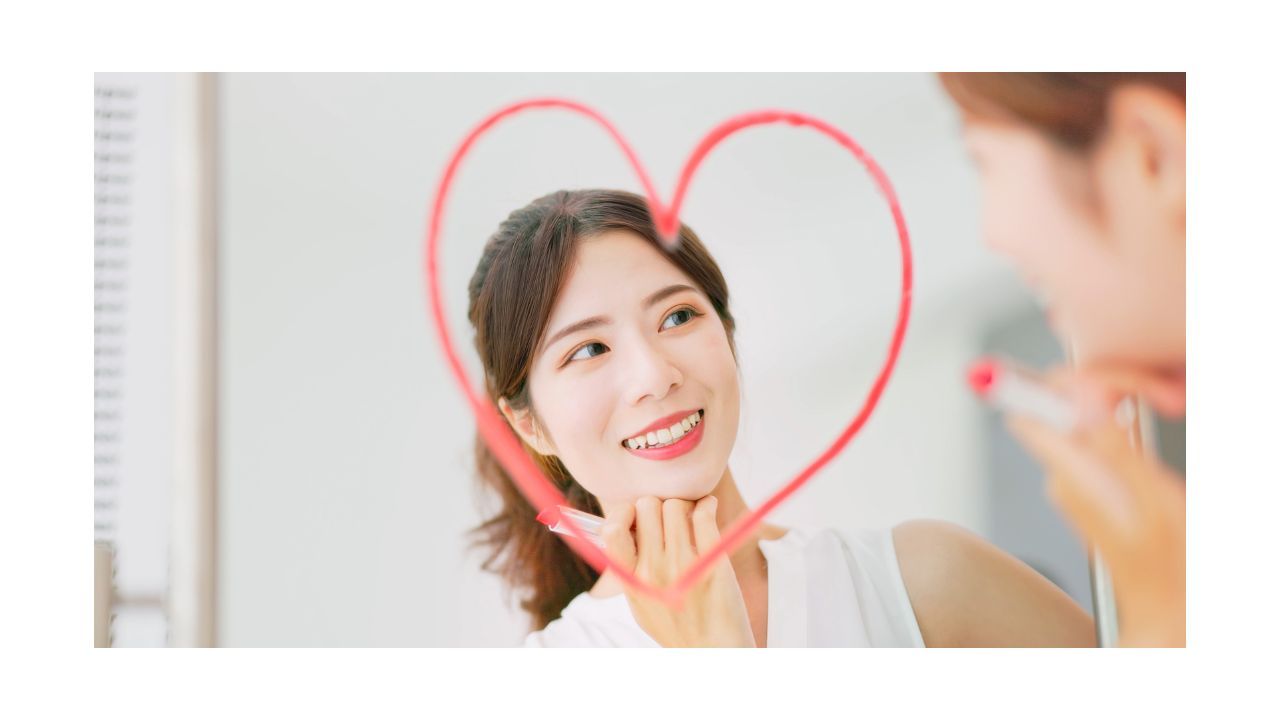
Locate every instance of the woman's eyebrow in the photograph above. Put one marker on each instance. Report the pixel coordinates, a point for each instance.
(665, 292)
(580, 325)
(598, 320)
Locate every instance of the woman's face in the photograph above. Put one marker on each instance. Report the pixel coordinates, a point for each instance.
(1095, 236)
(655, 352)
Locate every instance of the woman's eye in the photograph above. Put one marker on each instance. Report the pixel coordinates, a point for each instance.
(688, 313)
(586, 347)
(585, 352)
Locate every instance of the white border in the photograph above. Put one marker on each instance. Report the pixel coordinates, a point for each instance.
(44, 297)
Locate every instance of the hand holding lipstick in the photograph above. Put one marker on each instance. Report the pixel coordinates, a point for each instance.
(669, 536)
(1130, 506)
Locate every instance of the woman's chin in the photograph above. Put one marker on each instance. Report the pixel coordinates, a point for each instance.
(688, 477)
(692, 488)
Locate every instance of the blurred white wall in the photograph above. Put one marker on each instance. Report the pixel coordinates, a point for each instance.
(344, 446)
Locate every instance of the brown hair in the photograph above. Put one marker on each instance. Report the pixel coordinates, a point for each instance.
(1069, 107)
(514, 288)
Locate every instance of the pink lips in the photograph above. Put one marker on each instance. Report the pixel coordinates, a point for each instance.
(686, 443)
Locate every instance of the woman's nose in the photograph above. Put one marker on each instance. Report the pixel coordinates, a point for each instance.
(652, 373)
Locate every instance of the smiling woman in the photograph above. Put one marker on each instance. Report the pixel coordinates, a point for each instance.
(614, 361)
(533, 335)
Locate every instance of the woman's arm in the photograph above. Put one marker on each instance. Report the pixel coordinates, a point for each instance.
(968, 593)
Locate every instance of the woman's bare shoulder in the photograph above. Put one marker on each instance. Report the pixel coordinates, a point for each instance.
(967, 592)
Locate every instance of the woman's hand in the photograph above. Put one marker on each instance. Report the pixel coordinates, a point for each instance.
(1129, 506)
(669, 536)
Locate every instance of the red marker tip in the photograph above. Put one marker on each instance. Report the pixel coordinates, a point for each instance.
(982, 375)
(549, 517)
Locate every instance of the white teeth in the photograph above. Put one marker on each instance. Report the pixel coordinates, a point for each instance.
(667, 435)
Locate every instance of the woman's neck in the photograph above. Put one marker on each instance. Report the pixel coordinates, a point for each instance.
(747, 559)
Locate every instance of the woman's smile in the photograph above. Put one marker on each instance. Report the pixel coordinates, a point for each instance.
(674, 436)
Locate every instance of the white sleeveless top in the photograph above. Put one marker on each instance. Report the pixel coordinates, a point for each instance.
(827, 588)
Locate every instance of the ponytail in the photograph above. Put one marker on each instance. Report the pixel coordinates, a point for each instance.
(521, 550)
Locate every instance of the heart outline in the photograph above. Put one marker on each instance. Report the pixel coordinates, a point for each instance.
(499, 435)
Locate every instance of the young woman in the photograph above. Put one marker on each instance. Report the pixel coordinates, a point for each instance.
(1084, 179)
(614, 361)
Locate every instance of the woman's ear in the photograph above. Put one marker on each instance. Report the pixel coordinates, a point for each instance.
(1152, 126)
(526, 426)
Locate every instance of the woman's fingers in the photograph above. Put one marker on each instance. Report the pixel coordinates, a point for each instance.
(649, 529)
(677, 534)
(616, 533)
(1099, 504)
(705, 531)
(669, 534)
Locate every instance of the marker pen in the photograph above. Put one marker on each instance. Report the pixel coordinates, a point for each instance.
(590, 524)
(1014, 389)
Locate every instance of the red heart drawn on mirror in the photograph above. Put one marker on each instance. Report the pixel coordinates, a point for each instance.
(502, 439)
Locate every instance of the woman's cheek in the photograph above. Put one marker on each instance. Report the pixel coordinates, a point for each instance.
(706, 361)
(1106, 322)
(575, 408)
(1007, 217)
(719, 371)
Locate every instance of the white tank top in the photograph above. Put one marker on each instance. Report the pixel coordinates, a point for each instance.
(827, 588)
